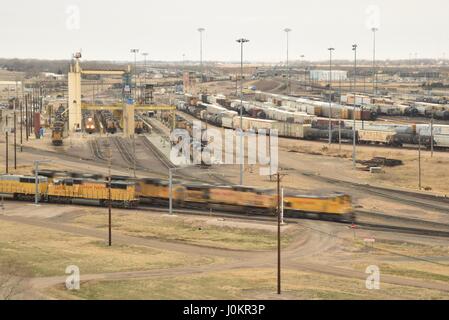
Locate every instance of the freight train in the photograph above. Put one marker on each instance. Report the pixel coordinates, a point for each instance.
(57, 132)
(368, 108)
(109, 123)
(89, 122)
(291, 124)
(68, 190)
(129, 193)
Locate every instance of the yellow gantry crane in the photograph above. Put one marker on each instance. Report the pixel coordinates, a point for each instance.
(75, 106)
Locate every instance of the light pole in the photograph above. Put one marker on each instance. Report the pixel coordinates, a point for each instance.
(201, 30)
(287, 30)
(7, 129)
(135, 51)
(354, 48)
(304, 66)
(183, 62)
(36, 177)
(241, 41)
(109, 195)
(374, 30)
(330, 94)
(145, 54)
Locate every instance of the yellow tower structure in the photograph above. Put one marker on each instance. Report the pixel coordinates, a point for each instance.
(128, 120)
(74, 88)
(126, 110)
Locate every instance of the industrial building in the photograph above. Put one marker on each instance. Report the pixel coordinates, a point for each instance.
(323, 75)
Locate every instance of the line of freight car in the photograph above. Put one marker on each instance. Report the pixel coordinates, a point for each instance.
(320, 131)
(372, 107)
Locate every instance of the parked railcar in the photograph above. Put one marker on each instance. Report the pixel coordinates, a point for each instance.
(138, 126)
(376, 137)
(57, 133)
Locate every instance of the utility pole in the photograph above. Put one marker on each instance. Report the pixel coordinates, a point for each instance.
(287, 30)
(374, 30)
(135, 51)
(27, 96)
(280, 218)
(279, 230)
(7, 144)
(419, 161)
(330, 94)
(15, 137)
(145, 54)
(354, 48)
(109, 196)
(21, 125)
(339, 135)
(170, 202)
(431, 135)
(201, 30)
(36, 177)
(241, 41)
(134, 154)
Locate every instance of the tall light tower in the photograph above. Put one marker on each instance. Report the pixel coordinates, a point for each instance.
(354, 48)
(241, 41)
(201, 30)
(135, 51)
(374, 30)
(287, 30)
(304, 66)
(145, 54)
(330, 94)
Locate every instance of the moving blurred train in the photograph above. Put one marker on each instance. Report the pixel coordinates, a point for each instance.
(69, 190)
(128, 193)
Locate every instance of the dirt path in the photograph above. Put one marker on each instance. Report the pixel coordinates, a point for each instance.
(307, 247)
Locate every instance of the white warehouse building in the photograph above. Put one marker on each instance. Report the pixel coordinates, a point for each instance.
(323, 75)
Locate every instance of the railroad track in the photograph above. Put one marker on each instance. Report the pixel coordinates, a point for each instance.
(424, 201)
(407, 230)
(158, 154)
(169, 165)
(273, 219)
(96, 150)
(125, 153)
(369, 215)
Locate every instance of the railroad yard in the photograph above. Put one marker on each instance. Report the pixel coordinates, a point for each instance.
(202, 180)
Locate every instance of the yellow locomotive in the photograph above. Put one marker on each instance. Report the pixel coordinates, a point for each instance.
(247, 200)
(22, 187)
(126, 193)
(336, 207)
(69, 190)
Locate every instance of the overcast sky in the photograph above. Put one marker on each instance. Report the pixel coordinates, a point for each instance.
(167, 29)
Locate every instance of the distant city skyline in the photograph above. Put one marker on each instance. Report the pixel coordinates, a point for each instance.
(104, 30)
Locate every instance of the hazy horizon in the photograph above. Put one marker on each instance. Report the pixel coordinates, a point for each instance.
(106, 31)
